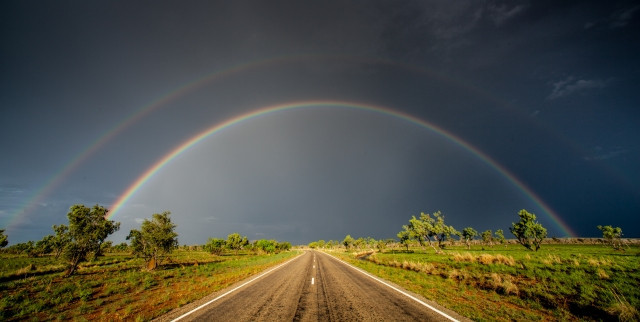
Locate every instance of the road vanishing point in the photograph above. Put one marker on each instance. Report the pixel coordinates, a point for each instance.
(313, 286)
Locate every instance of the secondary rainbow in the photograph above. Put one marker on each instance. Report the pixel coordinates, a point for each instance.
(59, 176)
(140, 181)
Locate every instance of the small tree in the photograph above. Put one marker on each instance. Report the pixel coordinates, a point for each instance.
(284, 246)
(612, 235)
(42, 247)
(428, 227)
(487, 237)
(88, 228)
(417, 230)
(468, 234)
(500, 237)
(359, 243)
(236, 242)
(348, 241)
(267, 246)
(155, 239)
(106, 247)
(122, 247)
(528, 231)
(215, 246)
(381, 245)
(405, 236)
(3, 239)
(60, 239)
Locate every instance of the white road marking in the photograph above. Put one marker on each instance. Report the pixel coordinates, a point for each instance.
(312, 280)
(379, 280)
(233, 290)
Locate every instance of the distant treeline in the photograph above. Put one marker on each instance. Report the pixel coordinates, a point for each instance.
(431, 230)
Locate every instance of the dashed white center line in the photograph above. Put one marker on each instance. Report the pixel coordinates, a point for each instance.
(312, 280)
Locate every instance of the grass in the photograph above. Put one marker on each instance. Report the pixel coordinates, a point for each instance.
(114, 287)
(559, 282)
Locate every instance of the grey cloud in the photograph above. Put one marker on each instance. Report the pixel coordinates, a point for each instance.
(618, 19)
(621, 18)
(571, 85)
(453, 19)
(500, 14)
(600, 153)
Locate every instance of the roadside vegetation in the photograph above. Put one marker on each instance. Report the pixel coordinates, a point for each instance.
(529, 277)
(76, 274)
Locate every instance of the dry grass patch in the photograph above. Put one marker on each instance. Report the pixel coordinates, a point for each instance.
(459, 275)
(623, 309)
(484, 259)
(503, 284)
(602, 274)
(551, 259)
(466, 257)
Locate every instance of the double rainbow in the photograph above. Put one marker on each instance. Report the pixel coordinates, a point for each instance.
(217, 128)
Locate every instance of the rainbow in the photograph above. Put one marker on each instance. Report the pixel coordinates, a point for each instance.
(140, 181)
(54, 181)
(59, 176)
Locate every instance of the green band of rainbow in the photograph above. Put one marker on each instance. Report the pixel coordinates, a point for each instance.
(138, 183)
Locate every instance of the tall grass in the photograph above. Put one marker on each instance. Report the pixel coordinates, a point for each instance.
(115, 287)
(590, 282)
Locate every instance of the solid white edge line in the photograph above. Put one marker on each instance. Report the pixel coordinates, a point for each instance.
(395, 288)
(236, 288)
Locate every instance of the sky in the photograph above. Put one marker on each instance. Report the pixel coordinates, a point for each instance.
(307, 120)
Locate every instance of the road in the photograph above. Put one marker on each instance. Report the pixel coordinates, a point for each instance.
(313, 287)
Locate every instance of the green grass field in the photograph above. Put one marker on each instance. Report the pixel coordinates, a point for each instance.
(559, 282)
(114, 287)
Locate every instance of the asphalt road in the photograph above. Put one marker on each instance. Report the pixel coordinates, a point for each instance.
(314, 287)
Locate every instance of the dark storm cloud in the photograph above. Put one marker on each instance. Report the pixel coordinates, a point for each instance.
(479, 69)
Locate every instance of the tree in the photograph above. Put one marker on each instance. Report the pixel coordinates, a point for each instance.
(528, 231)
(283, 246)
(468, 234)
(267, 246)
(106, 247)
(370, 242)
(20, 248)
(155, 239)
(122, 247)
(428, 227)
(359, 243)
(215, 246)
(3, 239)
(405, 236)
(60, 239)
(105, 228)
(500, 237)
(348, 241)
(612, 235)
(235, 242)
(487, 237)
(88, 228)
(381, 245)
(42, 247)
(417, 230)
